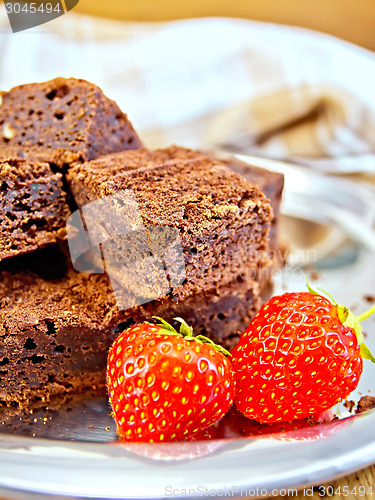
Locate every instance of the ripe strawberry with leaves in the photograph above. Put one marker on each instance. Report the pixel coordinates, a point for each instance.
(301, 354)
(166, 385)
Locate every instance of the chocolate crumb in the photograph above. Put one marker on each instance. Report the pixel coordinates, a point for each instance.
(365, 403)
(311, 420)
(349, 404)
(315, 276)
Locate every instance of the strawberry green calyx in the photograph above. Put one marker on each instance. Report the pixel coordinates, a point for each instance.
(355, 322)
(187, 333)
(348, 319)
(321, 290)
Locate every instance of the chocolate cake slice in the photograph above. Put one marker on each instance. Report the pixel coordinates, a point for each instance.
(33, 207)
(62, 121)
(54, 334)
(222, 219)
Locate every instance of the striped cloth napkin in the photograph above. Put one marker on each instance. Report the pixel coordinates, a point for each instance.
(247, 86)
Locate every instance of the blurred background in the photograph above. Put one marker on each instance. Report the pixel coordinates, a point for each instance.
(352, 20)
(290, 80)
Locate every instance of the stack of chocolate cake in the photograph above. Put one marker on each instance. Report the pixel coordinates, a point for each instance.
(63, 146)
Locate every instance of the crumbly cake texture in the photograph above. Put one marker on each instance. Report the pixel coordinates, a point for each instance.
(55, 334)
(272, 185)
(33, 207)
(62, 121)
(223, 220)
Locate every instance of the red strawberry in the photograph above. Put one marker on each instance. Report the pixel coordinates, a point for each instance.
(300, 355)
(166, 385)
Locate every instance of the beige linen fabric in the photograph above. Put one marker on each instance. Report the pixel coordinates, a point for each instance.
(247, 86)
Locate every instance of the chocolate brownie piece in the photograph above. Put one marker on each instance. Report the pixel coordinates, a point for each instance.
(54, 334)
(272, 185)
(32, 205)
(62, 121)
(221, 218)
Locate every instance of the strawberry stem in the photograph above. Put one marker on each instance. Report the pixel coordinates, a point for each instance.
(366, 314)
(187, 333)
